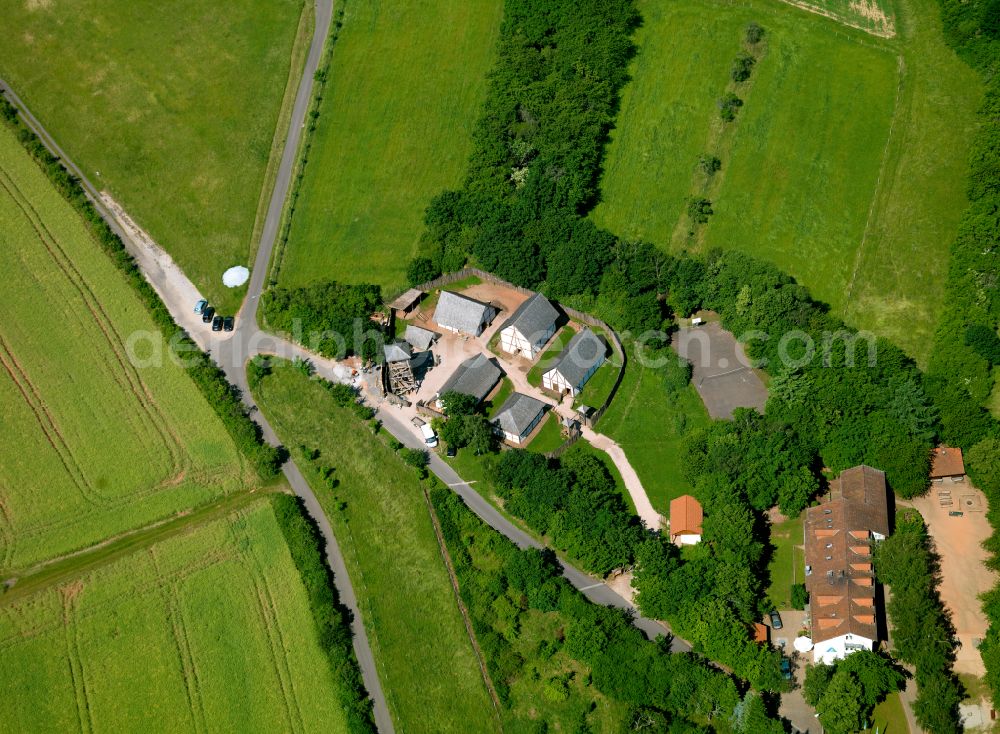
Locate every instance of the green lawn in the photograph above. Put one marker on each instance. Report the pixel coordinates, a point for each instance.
(493, 405)
(811, 178)
(787, 565)
(406, 87)
(210, 630)
(547, 358)
(171, 107)
(95, 444)
(889, 716)
(598, 387)
(549, 437)
(650, 426)
(425, 659)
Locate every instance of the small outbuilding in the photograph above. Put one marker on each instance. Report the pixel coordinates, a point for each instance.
(419, 338)
(463, 315)
(685, 520)
(476, 376)
(529, 327)
(947, 463)
(761, 633)
(406, 303)
(518, 417)
(577, 363)
(399, 367)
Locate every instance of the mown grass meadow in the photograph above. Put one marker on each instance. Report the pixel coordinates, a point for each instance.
(395, 129)
(94, 445)
(424, 656)
(169, 106)
(844, 166)
(209, 629)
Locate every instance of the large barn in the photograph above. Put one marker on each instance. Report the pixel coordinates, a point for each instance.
(529, 327)
(463, 315)
(519, 416)
(577, 363)
(843, 599)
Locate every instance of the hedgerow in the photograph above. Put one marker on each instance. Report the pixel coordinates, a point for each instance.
(224, 398)
(331, 618)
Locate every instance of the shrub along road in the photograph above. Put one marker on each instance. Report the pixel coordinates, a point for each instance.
(233, 351)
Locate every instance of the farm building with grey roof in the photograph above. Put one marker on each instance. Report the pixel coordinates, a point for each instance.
(576, 364)
(529, 327)
(518, 417)
(463, 315)
(476, 376)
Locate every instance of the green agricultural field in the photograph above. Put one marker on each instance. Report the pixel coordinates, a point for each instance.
(395, 129)
(209, 630)
(378, 511)
(874, 16)
(650, 425)
(171, 107)
(94, 446)
(845, 166)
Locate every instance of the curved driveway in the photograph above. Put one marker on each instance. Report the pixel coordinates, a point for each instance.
(233, 352)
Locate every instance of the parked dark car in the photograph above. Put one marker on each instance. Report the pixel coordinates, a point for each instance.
(775, 620)
(206, 315)
(217, 323)
(786, 668)
(227, 323)
(451, 452)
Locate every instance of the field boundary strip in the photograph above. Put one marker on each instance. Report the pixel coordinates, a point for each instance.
(70, 631)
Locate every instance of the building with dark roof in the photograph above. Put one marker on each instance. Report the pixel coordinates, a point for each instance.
(518, 417)
(419, 338)
(844, 603)
(576, 364)
(529, 327)
(476, 376)
(463, 315)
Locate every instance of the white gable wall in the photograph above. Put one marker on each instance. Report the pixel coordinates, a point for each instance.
(513, 341)
(840, 647)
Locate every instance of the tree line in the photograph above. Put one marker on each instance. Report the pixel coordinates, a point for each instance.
(211, 381)
(964, 356)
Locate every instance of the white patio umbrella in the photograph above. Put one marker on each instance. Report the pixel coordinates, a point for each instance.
(235, 276)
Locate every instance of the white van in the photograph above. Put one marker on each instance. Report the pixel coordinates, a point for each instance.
(430, 438)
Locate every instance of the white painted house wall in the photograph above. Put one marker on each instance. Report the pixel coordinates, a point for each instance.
(514, 438)
(553, 380)
(687, 539)
(840, 647)
(513, 341)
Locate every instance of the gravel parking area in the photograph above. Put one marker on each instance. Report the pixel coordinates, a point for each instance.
(721, 370)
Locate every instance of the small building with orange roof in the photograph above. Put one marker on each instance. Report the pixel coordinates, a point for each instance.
(947, 463)
(685, 520)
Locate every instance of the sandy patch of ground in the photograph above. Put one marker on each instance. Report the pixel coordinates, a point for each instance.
(887, 30)
(168, 280)
(620, 582)
(964, 575)
(33, 5)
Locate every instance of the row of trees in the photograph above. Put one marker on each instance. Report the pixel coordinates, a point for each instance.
(663, 691)
(844, 695)
(922, 631)
(224, 398)
(964, 356)
(331, 618)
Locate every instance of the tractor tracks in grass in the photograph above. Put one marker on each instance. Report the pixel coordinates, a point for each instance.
(120, 368)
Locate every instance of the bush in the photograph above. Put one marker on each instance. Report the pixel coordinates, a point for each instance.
(728, 106)
(742, 67)
(709, 164)
(420, 270)
(699, 210)
(753, 34)
(800, 597)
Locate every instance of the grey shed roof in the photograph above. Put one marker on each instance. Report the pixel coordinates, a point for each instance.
(407, 299)
(584, 350)
(460, 312)
(418, 338)
(533, 318)
(476, 376)
(519, 412)
(397, 352)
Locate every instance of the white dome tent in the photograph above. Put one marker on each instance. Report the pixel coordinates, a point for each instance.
(235, 276)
